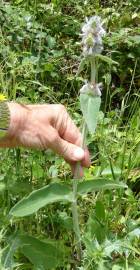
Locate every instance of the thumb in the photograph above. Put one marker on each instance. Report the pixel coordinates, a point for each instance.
(69, 151)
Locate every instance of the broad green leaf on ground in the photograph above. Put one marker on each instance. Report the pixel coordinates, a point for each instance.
(49, 194)
(97, 185)
(43, 255)
(90, 106)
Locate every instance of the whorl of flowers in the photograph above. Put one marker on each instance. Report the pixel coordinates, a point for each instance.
(92, 33)
(94, 89)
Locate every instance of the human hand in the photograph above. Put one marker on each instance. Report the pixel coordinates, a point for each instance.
(46, 126)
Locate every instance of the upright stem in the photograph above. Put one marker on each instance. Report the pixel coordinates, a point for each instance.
(74, 203)
(75, 214)
(77, 177)
(93, 71)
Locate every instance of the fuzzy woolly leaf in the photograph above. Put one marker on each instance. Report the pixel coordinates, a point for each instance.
(90, 106)
(49, 194)
(98, 184)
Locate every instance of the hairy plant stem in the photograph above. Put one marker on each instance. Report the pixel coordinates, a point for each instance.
(93, 71)
(74, 203)
(77, 177)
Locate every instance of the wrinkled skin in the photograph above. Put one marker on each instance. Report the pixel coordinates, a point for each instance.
(45, 126)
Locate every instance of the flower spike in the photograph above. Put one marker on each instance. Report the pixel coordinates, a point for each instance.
(92, 33)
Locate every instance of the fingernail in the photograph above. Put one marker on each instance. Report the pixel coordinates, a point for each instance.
(78, 153)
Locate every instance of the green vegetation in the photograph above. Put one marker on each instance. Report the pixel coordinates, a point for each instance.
(39, 55)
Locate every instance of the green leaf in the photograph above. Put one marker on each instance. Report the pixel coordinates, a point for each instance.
(43, 255)
(48, 67)
(107, 172)
(106, 59)
(8, 254)
(113, 246)
(96, 224)
(90, 106)
(99, 184)
(2, 186)
(135, 39)
(81, 66)
(41, 197)
(100, 211)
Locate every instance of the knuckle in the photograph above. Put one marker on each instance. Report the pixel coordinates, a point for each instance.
(65, 152)
(65, 149)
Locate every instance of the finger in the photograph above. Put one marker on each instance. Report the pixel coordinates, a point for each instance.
(69, 131)
(86, 162)
(72, 134)
(70, 152)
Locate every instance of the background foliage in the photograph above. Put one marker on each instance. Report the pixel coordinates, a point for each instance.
(39, 55)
